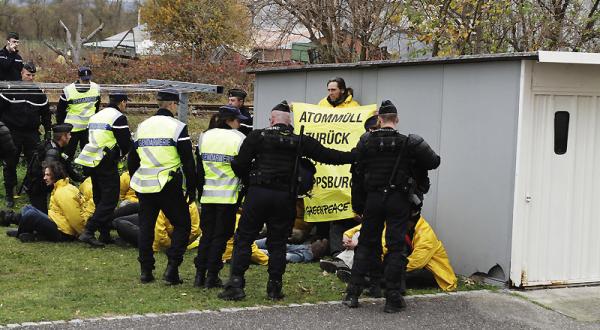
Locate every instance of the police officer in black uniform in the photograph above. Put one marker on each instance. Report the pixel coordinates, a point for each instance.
(170, 198)
(236, 97)
(385, 158)
(24, 108)
(105, 175)
(49, 151)
(11, 62)
(266, 159)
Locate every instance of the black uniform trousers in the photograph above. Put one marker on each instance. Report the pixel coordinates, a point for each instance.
(26, 142)
(105, 187)
(217, 225)
(277, 210)
(80, 139)
(39, 200)
(173, 204)
(394, 214)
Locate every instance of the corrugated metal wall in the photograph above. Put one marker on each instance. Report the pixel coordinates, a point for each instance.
(468, 113)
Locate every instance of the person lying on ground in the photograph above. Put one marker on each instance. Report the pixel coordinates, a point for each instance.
(297, 253)
(127, 227)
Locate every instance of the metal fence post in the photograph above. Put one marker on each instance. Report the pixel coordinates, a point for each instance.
(183, 109)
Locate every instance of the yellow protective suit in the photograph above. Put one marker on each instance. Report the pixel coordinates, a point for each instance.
(348, 103)
(163, 230)
(257, 256)
(125, 192)
(68, 209)
(428, 252)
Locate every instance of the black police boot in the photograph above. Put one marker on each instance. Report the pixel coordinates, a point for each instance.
(88, 237)
(146, 276)
(200, 278)
(274, 290)
(353, 291)
(374, 288)
(394, 302)
(233, 290)
(171, 275)
(8, 217)
(213, 281)
(105, 238)
(12, 232)
(26, 237)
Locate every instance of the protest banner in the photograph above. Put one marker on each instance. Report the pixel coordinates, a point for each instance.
(337, 128)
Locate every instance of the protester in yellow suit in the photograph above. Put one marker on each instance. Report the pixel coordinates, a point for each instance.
(338, 95)
(67, 213)
(428, 252)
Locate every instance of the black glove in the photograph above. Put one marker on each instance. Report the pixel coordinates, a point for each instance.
(190, 195)
(48, 136)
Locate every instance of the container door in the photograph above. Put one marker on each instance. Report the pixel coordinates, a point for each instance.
(562, 237)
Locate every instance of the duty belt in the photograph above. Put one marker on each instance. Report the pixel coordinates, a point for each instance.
(260, 179)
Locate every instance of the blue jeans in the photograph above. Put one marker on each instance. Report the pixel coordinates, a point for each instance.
(294, 252)
(38, 222)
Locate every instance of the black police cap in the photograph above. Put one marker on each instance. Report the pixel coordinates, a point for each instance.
(62, 128)
(370, 122)
(118, 95)
(231, 111)
(168, 94)
(387, 107)
(236, 92)
(12, 35)
(282, 106)
(85, 73)
(29, 66)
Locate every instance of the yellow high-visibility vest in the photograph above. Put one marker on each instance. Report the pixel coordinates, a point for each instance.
(100, 135)
(81, 105)
(217, 148)
(156, 141)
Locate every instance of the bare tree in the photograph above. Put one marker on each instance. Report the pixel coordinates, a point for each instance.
(74, 45)
(342, 30)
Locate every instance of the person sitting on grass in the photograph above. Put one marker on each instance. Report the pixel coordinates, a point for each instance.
(67, 213)
(428, 261)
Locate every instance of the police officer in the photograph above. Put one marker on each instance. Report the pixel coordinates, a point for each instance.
(49, 151)
(384, 160)
(11, 62)
(24, 108)
(161, 147)
(109, 141)
(78, 102)
(219, 189)
(267, 158)
(236, 97)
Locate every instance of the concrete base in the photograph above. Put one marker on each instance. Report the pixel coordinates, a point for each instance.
(581, 303)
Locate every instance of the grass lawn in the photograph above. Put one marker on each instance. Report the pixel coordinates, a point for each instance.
(61, 281)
